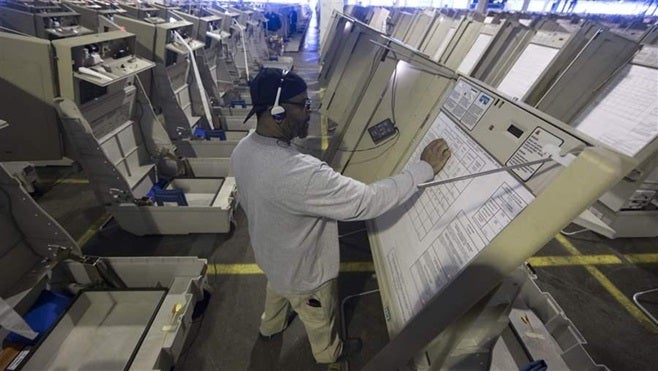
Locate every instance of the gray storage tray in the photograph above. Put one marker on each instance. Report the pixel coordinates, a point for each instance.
(101, 330)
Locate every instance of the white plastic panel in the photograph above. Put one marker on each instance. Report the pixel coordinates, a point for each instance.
(473, 55)
(444, 44)
(429, 240)
(527, 69)
(625, 115)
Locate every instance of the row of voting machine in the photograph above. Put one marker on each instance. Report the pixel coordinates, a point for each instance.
(590, 75)
(146, 97)
(517, 174)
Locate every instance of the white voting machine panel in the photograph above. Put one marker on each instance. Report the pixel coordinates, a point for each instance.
(427, 249)
(536, 57)
(442, 229)
(532, 62)
(474, 54)
(624, 115)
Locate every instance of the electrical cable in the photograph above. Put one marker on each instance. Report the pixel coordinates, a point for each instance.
(416, 68)
(393, 89)
(352, 233)
(451, 76)
(394, 85)
(565, 233)
(343, 324)
(396, 136)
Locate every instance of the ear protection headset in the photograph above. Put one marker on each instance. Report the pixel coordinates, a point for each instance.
(278, 112)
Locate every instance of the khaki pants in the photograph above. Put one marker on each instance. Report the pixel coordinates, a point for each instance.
(317, 310)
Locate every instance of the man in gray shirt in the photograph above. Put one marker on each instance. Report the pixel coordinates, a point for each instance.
(293, 202)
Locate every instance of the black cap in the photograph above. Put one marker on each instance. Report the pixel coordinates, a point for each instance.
(264, 86)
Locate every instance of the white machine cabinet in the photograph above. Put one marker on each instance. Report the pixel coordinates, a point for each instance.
(116, 313)
(125, 152)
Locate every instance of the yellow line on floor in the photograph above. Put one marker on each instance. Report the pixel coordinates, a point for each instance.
(535, 261)
(91, 231)
(72, 181)
(325, 133)
(642, 258)
(234, 269)
(64, 180)
(254, 269)
(610, 287)
(557, 261)
(357, 267)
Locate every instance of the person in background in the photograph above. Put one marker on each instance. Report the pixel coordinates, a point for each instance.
(292, 19)
(293, 202)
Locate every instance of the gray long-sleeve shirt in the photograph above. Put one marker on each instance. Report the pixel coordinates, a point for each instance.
(293, 201)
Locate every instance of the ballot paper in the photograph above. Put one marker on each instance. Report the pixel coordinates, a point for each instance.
(526, 70)
(625, 115)
(425, 243)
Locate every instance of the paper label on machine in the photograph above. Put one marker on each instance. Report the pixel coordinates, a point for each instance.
(531, 150)
(467, 103)
(427, 241)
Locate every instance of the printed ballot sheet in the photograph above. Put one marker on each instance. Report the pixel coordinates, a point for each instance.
(425, 243)
(527, 69)
(625, 115)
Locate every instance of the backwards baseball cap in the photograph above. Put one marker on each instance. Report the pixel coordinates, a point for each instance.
(264, 86)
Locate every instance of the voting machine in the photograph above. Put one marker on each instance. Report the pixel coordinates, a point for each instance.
(105, 313)
(620, 110)
(441, 257)
(356, 59)
(137, 173)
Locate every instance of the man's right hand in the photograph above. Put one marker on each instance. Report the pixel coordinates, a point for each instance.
(436, 154)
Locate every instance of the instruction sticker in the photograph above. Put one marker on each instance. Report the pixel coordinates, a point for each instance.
(476, 110)
(531, 150)
(467, 103)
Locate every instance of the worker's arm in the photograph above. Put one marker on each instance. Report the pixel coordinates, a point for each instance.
(331, 195)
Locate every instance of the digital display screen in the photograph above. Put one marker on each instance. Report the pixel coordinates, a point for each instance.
(515, 131)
